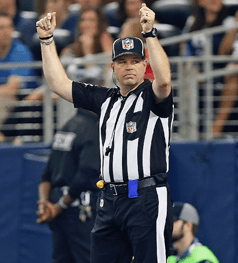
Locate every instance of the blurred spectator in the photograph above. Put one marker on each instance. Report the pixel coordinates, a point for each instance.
(67, 22)
(11, 7)
(68, 191)
(131, 27)
(208, 14)
(89, 3)
(93, 39)
(127, 9)
(229, 101)
(65, 19)
(186, 244)
(12, 83)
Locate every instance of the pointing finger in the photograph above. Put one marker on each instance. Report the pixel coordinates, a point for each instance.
(48, 21)
(53, 19)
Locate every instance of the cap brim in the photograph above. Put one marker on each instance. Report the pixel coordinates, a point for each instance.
(127, 53)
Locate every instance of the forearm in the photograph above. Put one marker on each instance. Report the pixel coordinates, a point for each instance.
(54, 72)
(226, 45)
(161, 68)
(44, 190)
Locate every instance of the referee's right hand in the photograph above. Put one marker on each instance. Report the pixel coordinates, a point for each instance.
(46, 26)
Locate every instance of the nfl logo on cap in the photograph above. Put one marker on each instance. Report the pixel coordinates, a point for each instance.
(128, 45)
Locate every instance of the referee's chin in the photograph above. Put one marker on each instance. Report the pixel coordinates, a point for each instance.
(131, 84)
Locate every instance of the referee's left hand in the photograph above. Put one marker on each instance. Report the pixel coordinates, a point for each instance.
(147, 18)
(46, 26)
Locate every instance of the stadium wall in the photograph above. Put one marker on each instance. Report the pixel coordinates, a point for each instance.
(202, 173)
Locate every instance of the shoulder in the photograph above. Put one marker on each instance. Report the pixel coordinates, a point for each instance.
(204, 254)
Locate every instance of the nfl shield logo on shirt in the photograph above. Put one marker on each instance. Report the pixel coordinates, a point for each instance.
(128, 44)
(131, 127)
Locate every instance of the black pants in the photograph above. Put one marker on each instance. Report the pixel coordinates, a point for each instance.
(127, 227)
(71, 237)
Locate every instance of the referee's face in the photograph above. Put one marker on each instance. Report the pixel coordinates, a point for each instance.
(129, 71)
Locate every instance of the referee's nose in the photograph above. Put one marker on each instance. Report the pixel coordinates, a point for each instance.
(129, 65)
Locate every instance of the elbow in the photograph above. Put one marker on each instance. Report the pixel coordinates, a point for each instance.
(165, 89)
(165, 85)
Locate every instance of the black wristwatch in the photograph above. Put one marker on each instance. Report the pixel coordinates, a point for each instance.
(152, 33)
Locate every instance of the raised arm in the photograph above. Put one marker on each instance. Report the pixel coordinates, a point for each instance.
(158, 58)
(54, 72)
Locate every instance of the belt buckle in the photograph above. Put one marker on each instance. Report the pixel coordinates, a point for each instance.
(114, 187)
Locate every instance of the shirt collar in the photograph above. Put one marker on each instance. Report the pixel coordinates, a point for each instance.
(190, 248)
(136, 91)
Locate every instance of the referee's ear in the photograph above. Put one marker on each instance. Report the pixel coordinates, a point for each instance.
(112, 66)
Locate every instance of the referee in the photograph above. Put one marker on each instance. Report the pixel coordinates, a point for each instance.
(134, 215)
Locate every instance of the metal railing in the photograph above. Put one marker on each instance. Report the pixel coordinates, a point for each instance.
(186, 84)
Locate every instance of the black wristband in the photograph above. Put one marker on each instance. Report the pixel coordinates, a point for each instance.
(152, 33)
(44, 38)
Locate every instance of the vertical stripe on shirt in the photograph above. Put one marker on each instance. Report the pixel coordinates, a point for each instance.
(110, 125)
(117, 163)
(103, 112)
(160, 224)
(132, 160)
(147, 143)
(165, 124)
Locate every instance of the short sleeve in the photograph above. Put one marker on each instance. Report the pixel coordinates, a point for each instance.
(164, 108)
(88, 96)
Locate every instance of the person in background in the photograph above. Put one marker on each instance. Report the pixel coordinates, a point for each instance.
(186, 244)
(66, 19)
(68, 192)
(229, 101)
(127, 9)
(208, 14)
(93, 39)
(11, 7)
(88, 3)
(13, 81)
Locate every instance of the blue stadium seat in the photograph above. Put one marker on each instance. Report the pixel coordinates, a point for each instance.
(27, 25)
(232, 6)
(114, 31)
(110, 10)
(74, 8)
(173, 12)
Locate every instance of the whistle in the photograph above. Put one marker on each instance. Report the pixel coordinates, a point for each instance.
(100, 184)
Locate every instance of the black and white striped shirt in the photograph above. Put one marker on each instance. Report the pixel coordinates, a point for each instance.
(135, 131)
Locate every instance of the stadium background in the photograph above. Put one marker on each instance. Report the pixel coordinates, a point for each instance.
(202, 173)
